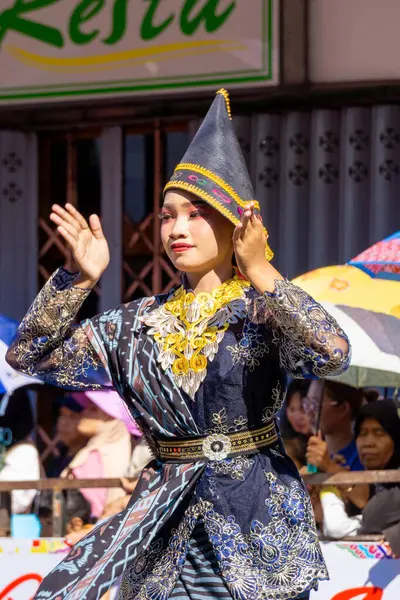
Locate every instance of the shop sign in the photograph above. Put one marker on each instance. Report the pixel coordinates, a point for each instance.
(72, 49)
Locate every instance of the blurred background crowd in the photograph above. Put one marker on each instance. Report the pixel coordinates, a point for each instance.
(93, 438)
(354, 429)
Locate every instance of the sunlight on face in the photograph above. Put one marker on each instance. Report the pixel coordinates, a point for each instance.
(297, 417)
(92, 421)
(374, 444)
(196, 237)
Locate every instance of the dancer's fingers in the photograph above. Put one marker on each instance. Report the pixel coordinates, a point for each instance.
(64, 214)
(245, 222)
(77, 215)
(67, 237)
(63, 223)
(96, 227)
(236, 233)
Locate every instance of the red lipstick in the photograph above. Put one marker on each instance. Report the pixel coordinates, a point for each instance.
(180, 247)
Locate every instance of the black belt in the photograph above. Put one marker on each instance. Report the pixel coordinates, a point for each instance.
(216, 446)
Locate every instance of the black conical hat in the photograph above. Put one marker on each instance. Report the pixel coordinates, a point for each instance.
(214, 168)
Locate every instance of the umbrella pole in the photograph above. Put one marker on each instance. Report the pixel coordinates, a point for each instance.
(313, 468)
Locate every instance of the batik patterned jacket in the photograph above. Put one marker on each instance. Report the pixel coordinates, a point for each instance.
(185, 366)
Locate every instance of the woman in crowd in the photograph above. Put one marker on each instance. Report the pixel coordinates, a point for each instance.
(69, 440)
(108, 448)
(295, 419)
(222, 512)
(21, 461)
(377, 432)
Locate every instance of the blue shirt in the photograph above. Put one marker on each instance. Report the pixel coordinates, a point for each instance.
(350, 454)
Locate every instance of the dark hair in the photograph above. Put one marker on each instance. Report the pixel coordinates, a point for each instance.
(75, 505)
(371, 395)
(298, 447)
(341, 393)
(18, 416)
(296, 386)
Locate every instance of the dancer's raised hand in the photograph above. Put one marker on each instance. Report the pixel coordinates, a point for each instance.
(249, 242)
(86, 240)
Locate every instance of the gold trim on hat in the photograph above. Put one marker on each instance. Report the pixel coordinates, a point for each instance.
(225, 94)
(217, 180)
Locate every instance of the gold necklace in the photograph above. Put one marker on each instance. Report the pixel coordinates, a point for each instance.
(188, 329)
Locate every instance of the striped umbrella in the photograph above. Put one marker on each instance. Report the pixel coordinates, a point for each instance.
(375, 342)
(381, 260)
(349, 286)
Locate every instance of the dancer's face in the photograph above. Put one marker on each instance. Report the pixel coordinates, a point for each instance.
(196, 237)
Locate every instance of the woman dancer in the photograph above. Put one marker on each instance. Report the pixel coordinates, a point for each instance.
(221, 512)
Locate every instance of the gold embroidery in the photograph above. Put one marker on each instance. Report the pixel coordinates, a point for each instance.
(278, 398)
(188, 329)
(310, 341)
(218, 446)
(218, 180)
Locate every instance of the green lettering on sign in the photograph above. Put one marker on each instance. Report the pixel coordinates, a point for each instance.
(149, 31)
(212, 21)
(120, 21)
(15, 19)
(82, 13)
(11, 19)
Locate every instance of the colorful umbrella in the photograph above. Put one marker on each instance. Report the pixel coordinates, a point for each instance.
(375, 344)
(382, 260)
(347, 285)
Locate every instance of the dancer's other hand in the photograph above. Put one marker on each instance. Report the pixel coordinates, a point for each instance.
(86, 240)
(249, 241)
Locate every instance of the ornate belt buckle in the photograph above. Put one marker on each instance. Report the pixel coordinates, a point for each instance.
(217, 446)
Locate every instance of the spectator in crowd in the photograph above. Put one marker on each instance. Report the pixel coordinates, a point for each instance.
(295, 420)
(68, 435)
(371, 395)
(108, 448)
(21, 461)
(377, 433)
(333, 449)
(76, 513)
(141, 456)
(340, 406)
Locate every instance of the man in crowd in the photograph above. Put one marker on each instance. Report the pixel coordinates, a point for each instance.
(333, 448)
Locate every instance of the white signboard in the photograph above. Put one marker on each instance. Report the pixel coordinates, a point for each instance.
(69, 49)
(24, 564)
(354, 40)
(358, 571)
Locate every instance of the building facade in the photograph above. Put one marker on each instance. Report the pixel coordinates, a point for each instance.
(322, 147)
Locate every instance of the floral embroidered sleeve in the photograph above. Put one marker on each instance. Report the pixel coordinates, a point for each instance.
(49, 346)
(311, 343)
